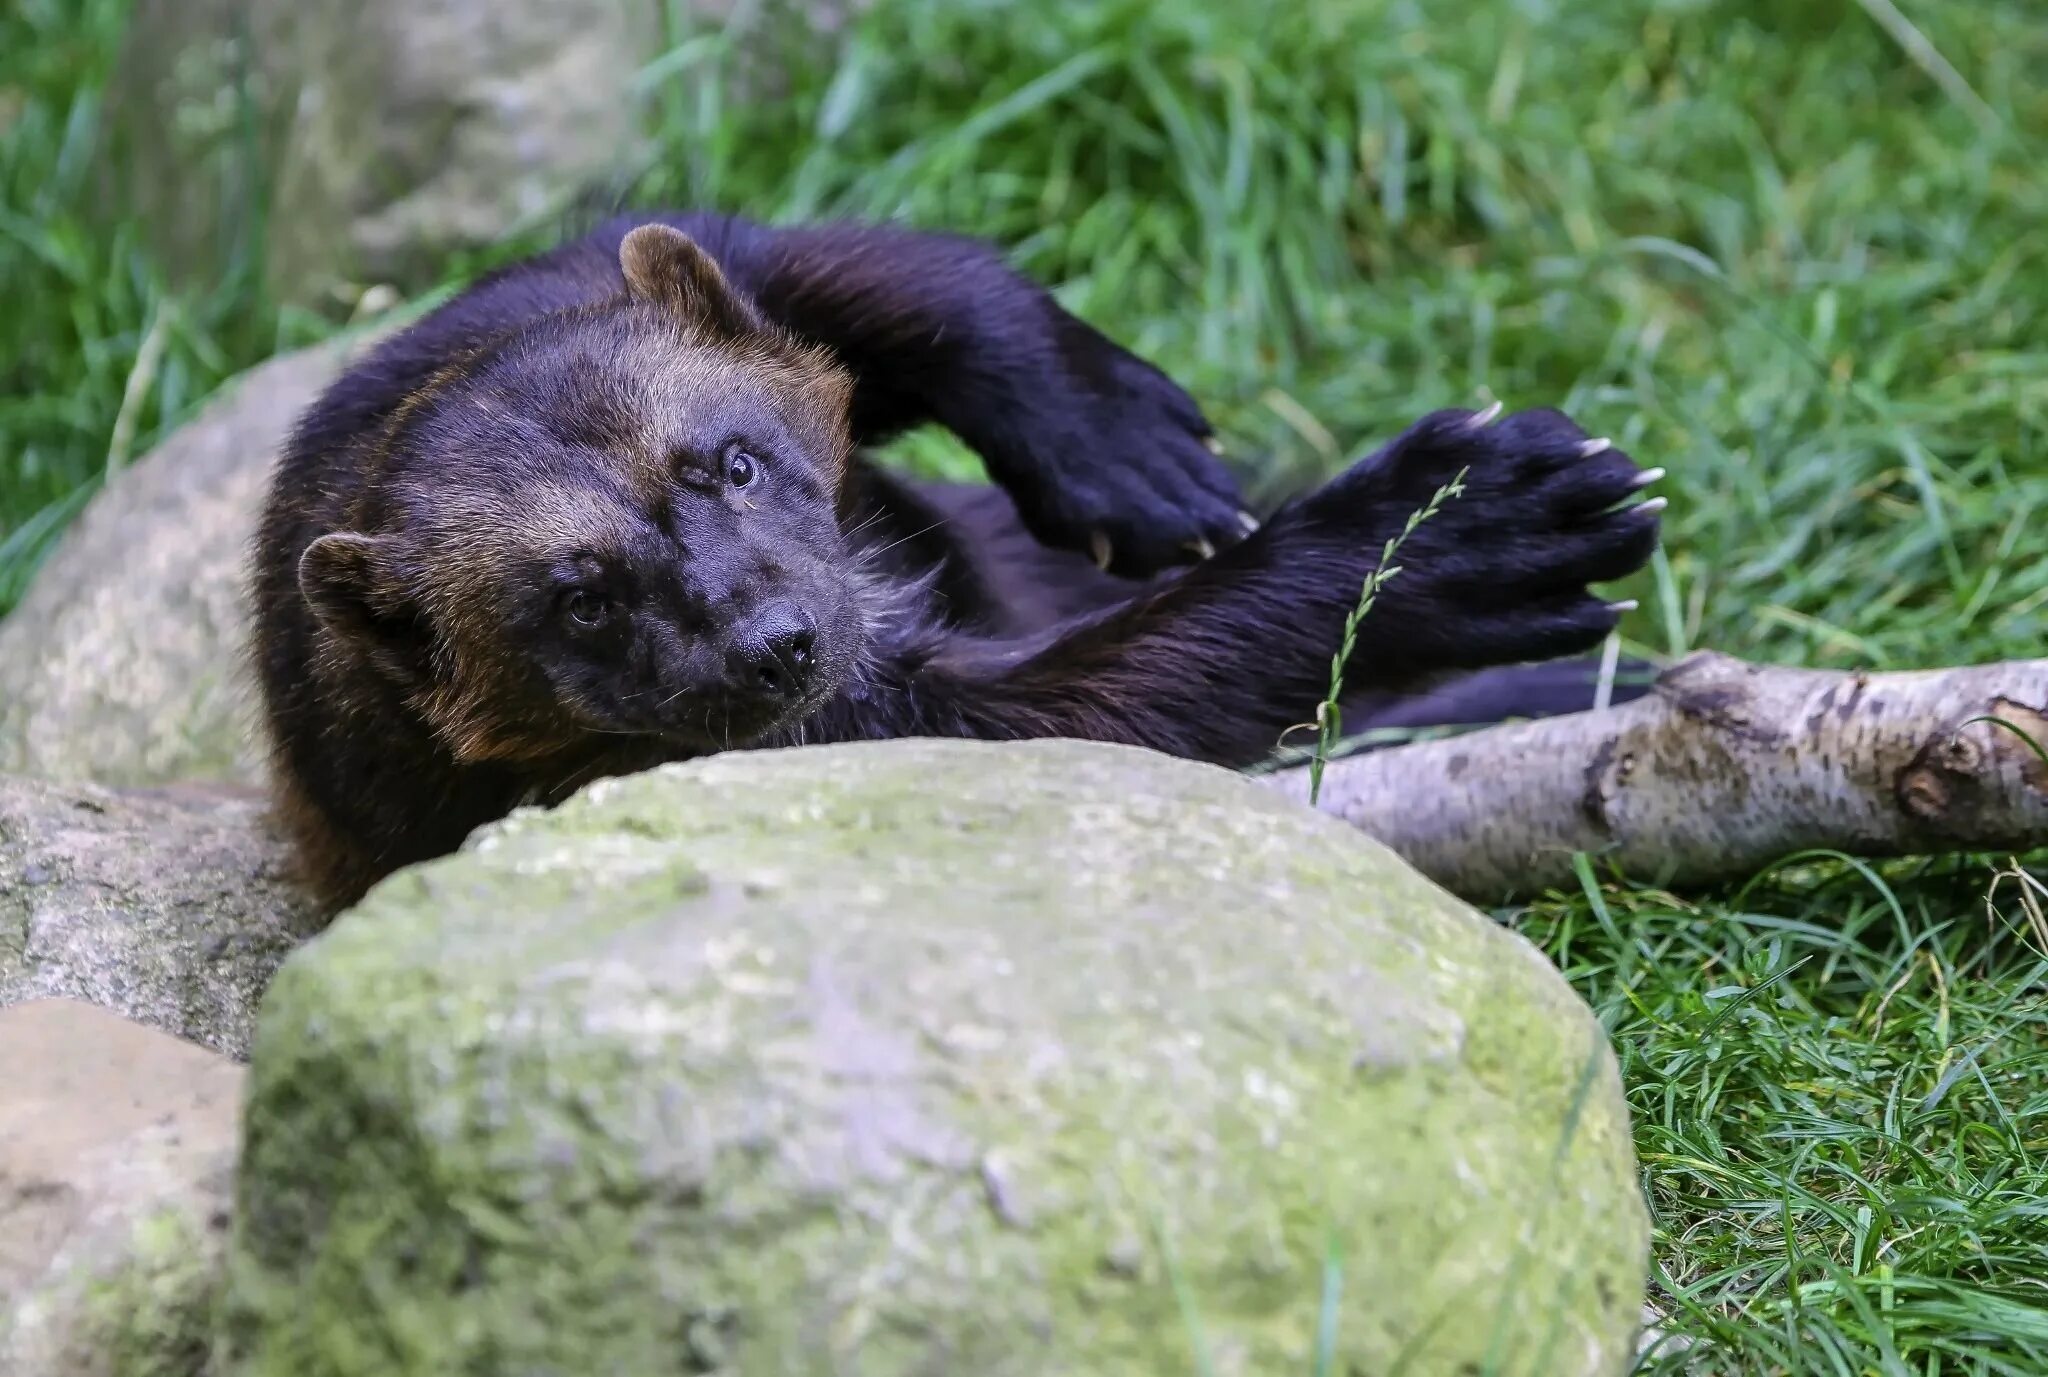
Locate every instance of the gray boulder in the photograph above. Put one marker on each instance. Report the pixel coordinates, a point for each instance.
(117, 1153)
(171, 907)
(929, 1057)
(378, 136)
(124, 663)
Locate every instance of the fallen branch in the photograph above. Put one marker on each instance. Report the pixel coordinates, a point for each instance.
(1723, 768)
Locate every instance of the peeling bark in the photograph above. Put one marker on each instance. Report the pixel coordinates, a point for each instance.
(1722, 769)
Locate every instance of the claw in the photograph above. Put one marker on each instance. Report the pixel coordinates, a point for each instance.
(1625, 605)
(1098, 545)
(1202, 548)
(1647, 477)
(1487, 417)
(1213, 444)
(1249, 522)
(1655, 504)
(1600, 446)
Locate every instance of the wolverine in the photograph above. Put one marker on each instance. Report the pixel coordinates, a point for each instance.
(614, 506)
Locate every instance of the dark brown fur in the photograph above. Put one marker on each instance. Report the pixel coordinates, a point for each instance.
(608, 508)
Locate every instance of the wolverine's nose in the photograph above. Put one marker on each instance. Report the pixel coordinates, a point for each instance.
(772, 653)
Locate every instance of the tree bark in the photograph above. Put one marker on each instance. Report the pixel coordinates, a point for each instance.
(1723, 768)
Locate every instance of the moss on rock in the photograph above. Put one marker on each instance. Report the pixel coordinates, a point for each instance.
(929, 1057)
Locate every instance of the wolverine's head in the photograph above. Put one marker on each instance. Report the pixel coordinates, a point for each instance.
(617, 520)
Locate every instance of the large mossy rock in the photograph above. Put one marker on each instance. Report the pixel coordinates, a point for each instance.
(172, 907)
(125, 663)
(929, 1057)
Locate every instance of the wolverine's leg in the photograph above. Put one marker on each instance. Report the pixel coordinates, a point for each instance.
(1022, 588)
(1217, 663)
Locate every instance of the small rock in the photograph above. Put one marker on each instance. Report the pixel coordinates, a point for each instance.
(117, 1146)
(168, 906)
(1125, 1256)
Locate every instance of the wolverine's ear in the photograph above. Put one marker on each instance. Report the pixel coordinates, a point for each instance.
(352, 584)
(666, 266)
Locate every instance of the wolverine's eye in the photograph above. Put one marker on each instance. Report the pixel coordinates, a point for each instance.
(741, 468)
(588, 609)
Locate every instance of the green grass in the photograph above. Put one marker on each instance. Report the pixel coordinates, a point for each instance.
(1797, 254)
(1840, 1083)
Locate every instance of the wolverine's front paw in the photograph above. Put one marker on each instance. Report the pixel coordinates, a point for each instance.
(1116, 460)
(1501, 572)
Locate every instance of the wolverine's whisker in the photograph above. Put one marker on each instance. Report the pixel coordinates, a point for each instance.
(912, 536)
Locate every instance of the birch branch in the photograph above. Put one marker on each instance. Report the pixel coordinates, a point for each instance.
(1723, 768)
